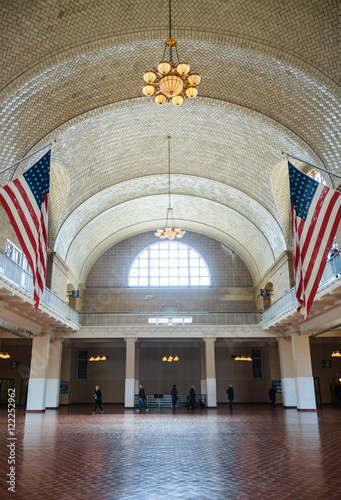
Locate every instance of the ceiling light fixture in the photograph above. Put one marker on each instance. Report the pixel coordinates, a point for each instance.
(170, 358)
(98, 357)
(243, 358)
(169, 231)
(170, 81)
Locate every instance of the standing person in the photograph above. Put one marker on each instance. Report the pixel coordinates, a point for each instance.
(192, 397)
(142, 397)
(337, 393)
(272, 396)
(98, 400)
(230, 395)
(174, 394)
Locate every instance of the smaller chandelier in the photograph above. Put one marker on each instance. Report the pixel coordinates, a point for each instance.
(170, 358)
(98, 357)
(336, 354)
(170, 231)
(243, 358)
(171, 81)
(4, 355)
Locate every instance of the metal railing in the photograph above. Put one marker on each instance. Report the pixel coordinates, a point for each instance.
(165, 401)
(22, 280)
(159, 319)
(285, 304)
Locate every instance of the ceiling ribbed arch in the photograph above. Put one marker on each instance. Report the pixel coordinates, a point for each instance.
(221, 223)
(193, 188)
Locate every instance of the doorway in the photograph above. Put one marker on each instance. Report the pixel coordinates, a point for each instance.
(23, 392)
(335, 390)
(317, 390)
(5, 384)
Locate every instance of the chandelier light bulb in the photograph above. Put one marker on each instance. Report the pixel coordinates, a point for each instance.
(183, 68)
(191, 92)
(171, 85)
(148, 90)
(164, 67)
(194, 79)
(149, 76)
(160, 98)
(177, 100)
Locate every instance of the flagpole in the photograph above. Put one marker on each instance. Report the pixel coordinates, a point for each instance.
(25, 158)
(315, 166)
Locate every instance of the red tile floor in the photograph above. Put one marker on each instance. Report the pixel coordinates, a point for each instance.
(251, 452)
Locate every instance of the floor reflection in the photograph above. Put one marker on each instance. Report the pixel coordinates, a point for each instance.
(250, 452)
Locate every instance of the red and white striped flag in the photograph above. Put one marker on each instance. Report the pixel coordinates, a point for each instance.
(316, 213)
(26, 202)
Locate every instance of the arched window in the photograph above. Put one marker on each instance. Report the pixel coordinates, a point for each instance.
(315, 174)
(169, 264)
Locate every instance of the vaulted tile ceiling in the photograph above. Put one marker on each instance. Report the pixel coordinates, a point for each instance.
(270, 82)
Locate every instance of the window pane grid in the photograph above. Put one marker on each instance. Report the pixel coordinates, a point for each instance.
(169, 264)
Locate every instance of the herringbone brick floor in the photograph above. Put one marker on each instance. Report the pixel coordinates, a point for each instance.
(251, 452)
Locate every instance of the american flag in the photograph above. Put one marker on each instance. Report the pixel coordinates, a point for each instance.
(26, 202)
(316, 213)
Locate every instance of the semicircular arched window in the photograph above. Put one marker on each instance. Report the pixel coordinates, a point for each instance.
(169, 264)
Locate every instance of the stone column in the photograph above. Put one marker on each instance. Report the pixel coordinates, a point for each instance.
(287, 372)
(137, 367)
(65, 372)
(210, 372)
(36, 397)
(130, 373)
(53, 373)
(203, 383)
(305, 393)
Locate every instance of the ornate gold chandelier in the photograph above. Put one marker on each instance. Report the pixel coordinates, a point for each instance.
(170, 81)
(170, 231)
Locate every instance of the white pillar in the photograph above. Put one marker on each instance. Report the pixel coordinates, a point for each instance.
(53, 373)
(210, 372)
(203, 383)
(36, 397)
(305, 393)
(130, 373)
(137, 368)
(287, 372)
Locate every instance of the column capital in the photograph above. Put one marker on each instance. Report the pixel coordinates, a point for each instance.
(209, 337)
(130, 338)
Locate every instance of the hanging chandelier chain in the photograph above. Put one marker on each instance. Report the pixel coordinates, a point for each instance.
(169, 231)
(170, 18)
(177, 53)
(169, 159)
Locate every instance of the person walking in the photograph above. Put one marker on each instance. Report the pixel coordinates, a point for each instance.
(192, 396)
(142, 397)
(272, 396)
(98, 400)
(230, 395)
(174, 395)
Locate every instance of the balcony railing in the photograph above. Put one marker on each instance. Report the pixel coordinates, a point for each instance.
(159, 319)
(23, 281)
(287, 304)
